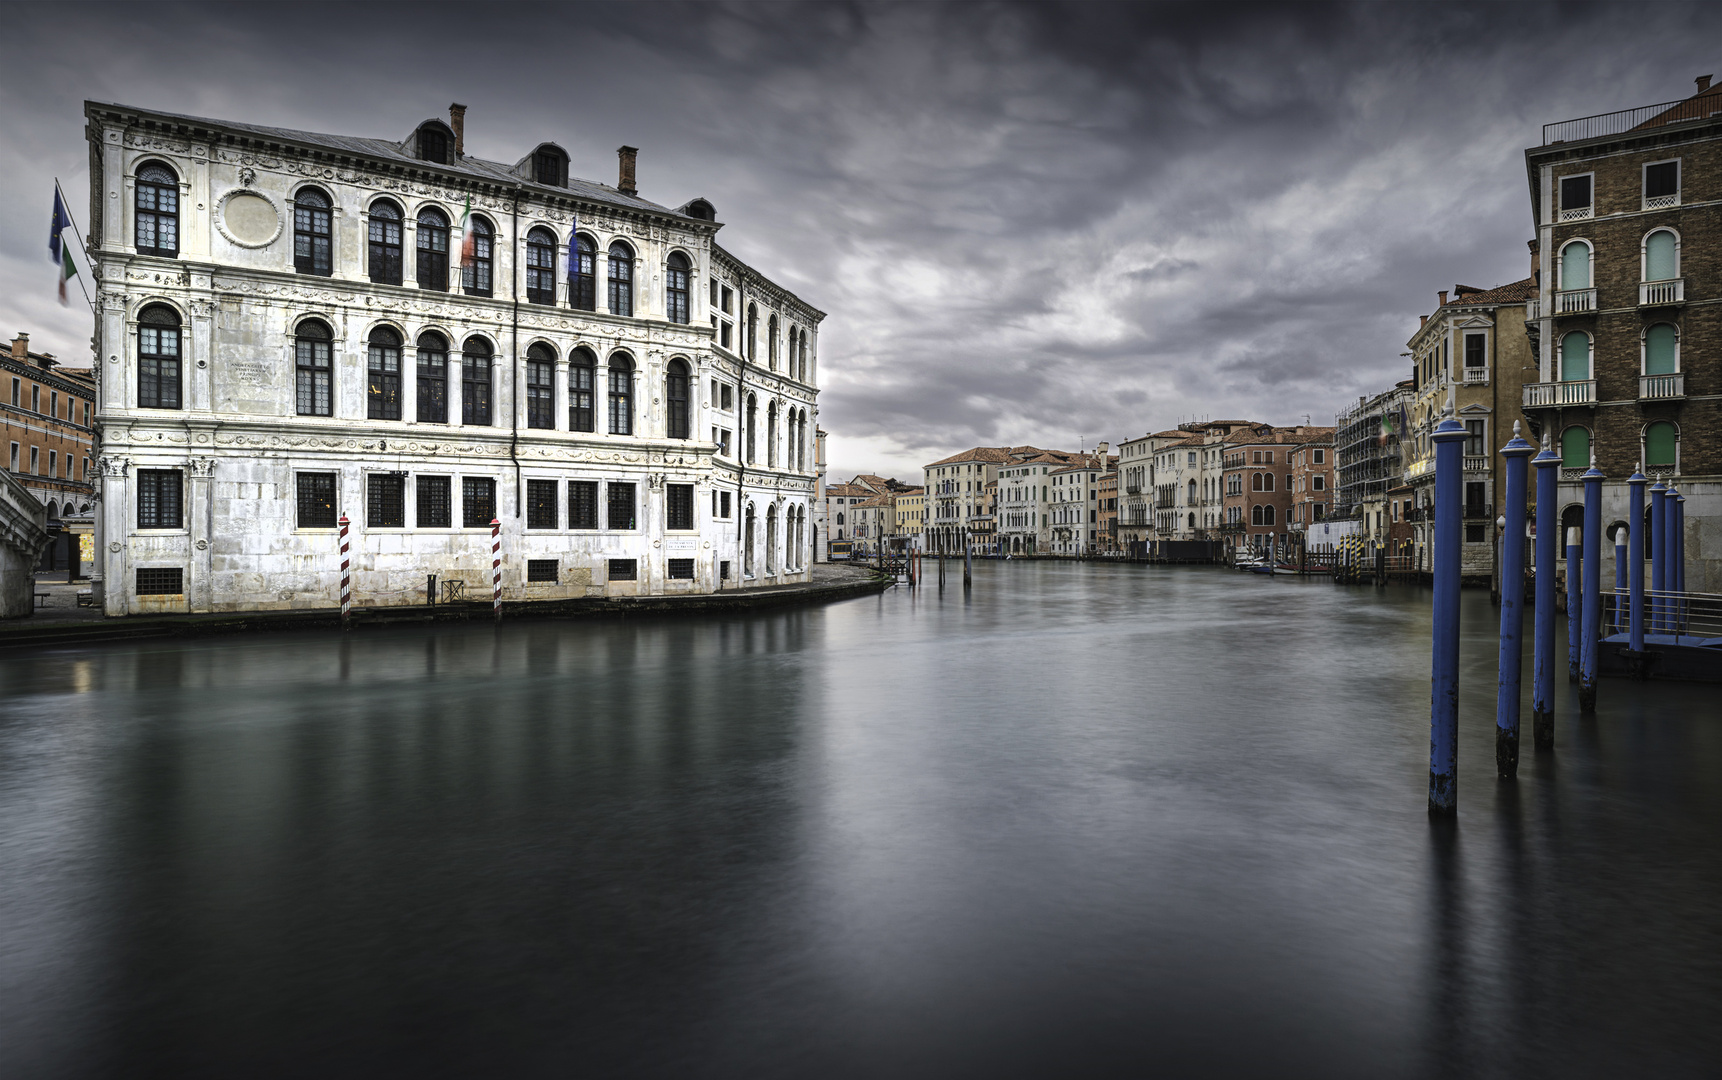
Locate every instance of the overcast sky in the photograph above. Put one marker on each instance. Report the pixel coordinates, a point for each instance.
(1042, 224)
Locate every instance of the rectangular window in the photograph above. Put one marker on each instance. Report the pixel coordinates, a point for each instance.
(1476, 534)
(1474, 438)
(728, 395)
(681, 569)
(160, 580)
(54, 404)
(540, 504)
(1575, 197)
(678, 506)
(541, 570)
(53, 462)
(434, 511)
(432, 386)
(159, 499)
(14, 465)
(1661, 184)
(386, 501)
(724, 333)
(620, 512)
(477, 501)
(622, 570)
(1318, 482)
(728, 298)
(723, 570)
(1476, 495)
(316, 500)
(1320, 457)
(582, 504)
(313, 373)
(36, 399)
(475, 390)
(1475, 344)
(16, 387)
(86, 414)
(383, 382)
(540, 394)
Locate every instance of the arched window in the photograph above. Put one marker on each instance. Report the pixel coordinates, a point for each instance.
(158, 358)
(1575, 447)
(583, 287)
(1191, 495)
(540, 386)
(433, 379)
(752, 417)
(676, 288)
(1661, 350)
(1268, 482)
(541, 266)
(676, 398)
(1575, 356)
(1661, 256)
(385, 253)
(1268, 514)
(313, 233)
(433, 249)
(476, 257)
(1256, 515)
(313, 364)
(581, 365)
(747, 542)
(804, 356)
(1193, 520)
(383, 375)
(434, 143)
(621, 279)
(1575, 266)
(621, 394)
(771, 435)
(771, 539)
(157, 211)
(771, 342)
(1659, 445)
(752, 332)
(475, 382)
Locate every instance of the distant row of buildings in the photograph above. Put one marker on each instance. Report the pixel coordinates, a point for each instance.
(1610, 349)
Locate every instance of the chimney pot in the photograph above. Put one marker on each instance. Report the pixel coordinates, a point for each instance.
(21, 347)
(1423, 321)
(457, 121)
(625, 170)
(1443, 295)
(1703, 82)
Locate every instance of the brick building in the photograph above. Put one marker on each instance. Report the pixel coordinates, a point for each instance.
(1257, 482)
(1312, 481)
(46, 414)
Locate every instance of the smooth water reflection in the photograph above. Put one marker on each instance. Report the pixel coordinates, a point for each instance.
(1088, 821)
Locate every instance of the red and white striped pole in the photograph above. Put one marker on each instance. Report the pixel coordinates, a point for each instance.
(496, 568)
(346, 580)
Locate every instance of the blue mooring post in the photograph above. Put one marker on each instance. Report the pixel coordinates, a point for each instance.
(1449, 439)
(1511, 662)
(1575, 598)
(1622, 536)
(1635, 566)
(1658, 560)
(1548, 466)
(1589, 623)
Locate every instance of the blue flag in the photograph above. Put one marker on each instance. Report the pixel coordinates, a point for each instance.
(574, 248)
(61, 221)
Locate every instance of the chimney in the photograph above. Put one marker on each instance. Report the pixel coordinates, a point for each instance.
(1703, 82)
(1443, 295)
(21, 347)
(457, 121)
(1423, 320)
(625, 177)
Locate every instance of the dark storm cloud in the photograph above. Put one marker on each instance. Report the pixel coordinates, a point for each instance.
(1028, 224)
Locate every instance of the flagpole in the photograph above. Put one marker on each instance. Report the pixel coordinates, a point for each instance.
(61, 192)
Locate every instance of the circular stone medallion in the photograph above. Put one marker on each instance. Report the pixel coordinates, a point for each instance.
(249, 220)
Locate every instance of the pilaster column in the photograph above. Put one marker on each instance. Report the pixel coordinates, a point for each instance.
(114, 557)
(559, 396)
(200, 595)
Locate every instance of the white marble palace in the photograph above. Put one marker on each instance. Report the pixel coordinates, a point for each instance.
(297, 327)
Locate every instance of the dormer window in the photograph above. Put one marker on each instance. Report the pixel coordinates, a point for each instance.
(434, 144)
(550, 166)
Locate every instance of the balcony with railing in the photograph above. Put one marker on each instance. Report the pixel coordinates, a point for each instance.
(1474, 511)
(1654, 387)
(1133, 489)
(1548, 395)
(1476, 463)
(1575, 301)
(1662, 293)
(1476, 376)
(1662, 202)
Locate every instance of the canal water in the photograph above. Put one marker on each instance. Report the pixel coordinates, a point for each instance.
(1084, 821)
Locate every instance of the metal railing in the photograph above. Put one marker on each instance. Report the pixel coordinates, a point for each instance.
(1473, 511)
(1568, 392)
(1573, 301)
(1695, 614)
(1624, 120)
(1655, 293)
(1662, 202)
(1662, 386)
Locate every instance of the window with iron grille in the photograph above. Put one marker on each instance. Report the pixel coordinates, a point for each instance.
(475, 383)
(157, 211)
(540, 504)
(433, 379)
(477, 501)
(541, 266)
(1476, 534)
(158, 359)
(621, 506)
(583, 288)
(582, 504)
(434, 511)
(580, 372)
(541, 570)
(475, 272)
(622, 570)
(160, 580)
(547, 168)
(433, 249)
(385, 238)
(681, 569)
(317, 500)
(159, 499)
(385, 501)
(312, 235)
(383, 375)
(540, 387)
(678, 506)
(621, 394)
(313, 368)
(723, 570)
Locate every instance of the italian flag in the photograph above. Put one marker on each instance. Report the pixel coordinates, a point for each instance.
(68, 270)
(468, 242)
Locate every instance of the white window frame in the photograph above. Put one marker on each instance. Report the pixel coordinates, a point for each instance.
(1644, 200)
(1562, 214)
(1644, 347)
(1590, 265)
(1644, 254)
